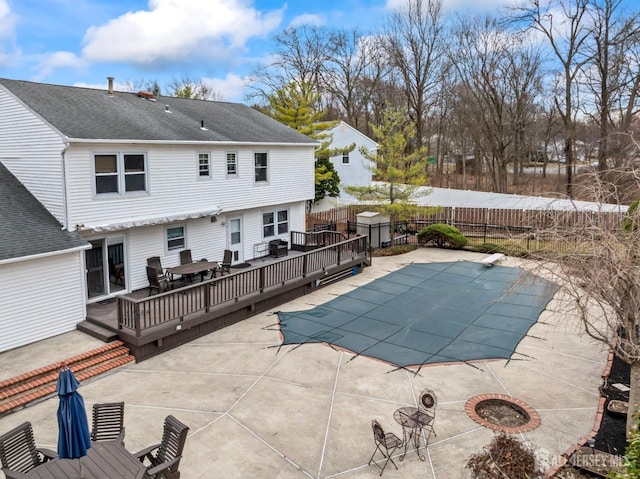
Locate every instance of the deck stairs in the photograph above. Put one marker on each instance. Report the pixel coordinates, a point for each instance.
(39, 384)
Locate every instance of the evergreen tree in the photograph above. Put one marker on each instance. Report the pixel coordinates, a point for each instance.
(295, 105)
(399, 170)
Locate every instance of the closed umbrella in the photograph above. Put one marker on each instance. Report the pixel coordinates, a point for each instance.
(73, 427)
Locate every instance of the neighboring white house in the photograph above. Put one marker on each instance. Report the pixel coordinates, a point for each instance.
(132, 177)
(353, 168)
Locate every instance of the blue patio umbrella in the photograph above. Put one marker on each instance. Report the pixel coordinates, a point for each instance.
(73, 427)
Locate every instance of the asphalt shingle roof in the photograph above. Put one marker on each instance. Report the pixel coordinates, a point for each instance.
(86, 113)
(27, 226)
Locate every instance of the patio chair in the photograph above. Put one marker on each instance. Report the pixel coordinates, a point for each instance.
(166, 459)
(160, 271)
(185, 258)
(155, 281)
(427, 404)
(386, 444)
(19, 454)
(225, 265)
(108, 422)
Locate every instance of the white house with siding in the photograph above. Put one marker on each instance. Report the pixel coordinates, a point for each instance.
(352, 167)
(132, 176)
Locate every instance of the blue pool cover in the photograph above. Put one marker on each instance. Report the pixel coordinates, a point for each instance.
(428, 313)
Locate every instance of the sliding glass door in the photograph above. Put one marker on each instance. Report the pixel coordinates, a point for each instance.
(105, 267)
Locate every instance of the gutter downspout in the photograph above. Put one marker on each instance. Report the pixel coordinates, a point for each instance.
(65, 203)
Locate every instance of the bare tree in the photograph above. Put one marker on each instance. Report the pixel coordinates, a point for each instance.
(353, 74)
(599, 271)
(564, 23)
(187, 87)
(500, 76)
(613, 78)
(301, 56)
(414, 41)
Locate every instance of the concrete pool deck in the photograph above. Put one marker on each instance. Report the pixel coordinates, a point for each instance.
(257, 410)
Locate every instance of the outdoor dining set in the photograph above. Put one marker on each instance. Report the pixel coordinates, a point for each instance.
(96, 454)
(417, 425)
(161, 279)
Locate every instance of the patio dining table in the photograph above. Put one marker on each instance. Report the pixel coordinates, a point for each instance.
(197, 267)
(103, 460)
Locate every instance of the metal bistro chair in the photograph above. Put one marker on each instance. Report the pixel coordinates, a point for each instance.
(18, 452)
(164, 463)
(108, 422)
(155, 281)
(385, 443)
(427, 404)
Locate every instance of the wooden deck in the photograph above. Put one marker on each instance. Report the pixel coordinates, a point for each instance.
(150, 324)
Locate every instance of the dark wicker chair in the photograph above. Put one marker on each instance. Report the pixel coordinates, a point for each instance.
(278, 248)
(108, 422)
(19, 454)
(155, 281)
(427, 404)
(165, 461)
(386, 444)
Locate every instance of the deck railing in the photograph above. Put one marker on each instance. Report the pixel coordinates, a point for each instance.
(145, 313)
(310, 240)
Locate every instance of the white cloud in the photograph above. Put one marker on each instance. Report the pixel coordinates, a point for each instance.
(9, 53)
(230, 88)
(174, 30)
(7, 20)
(307, 19)
(48, 63)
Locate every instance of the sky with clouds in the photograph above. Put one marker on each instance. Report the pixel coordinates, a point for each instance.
(82, 42)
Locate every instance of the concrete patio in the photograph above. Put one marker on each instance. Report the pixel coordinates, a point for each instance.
(256, 410)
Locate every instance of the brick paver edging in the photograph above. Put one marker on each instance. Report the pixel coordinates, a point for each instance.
(534, 418)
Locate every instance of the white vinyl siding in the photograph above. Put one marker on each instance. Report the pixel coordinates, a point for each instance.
(206, 240)
(26, 317)
(173, 187)
(353, 168)
(32, 151)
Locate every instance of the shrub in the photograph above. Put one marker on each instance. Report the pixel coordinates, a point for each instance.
(443, 236)
(505, 456)
(631, 456)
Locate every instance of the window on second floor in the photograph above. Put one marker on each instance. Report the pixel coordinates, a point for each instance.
(261, 164)
(176, 238)
(120, 172)
(345, 158)
(204, 165)
(275, 223)
(232, 163)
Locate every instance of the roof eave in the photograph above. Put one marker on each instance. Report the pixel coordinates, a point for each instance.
(189, 142)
